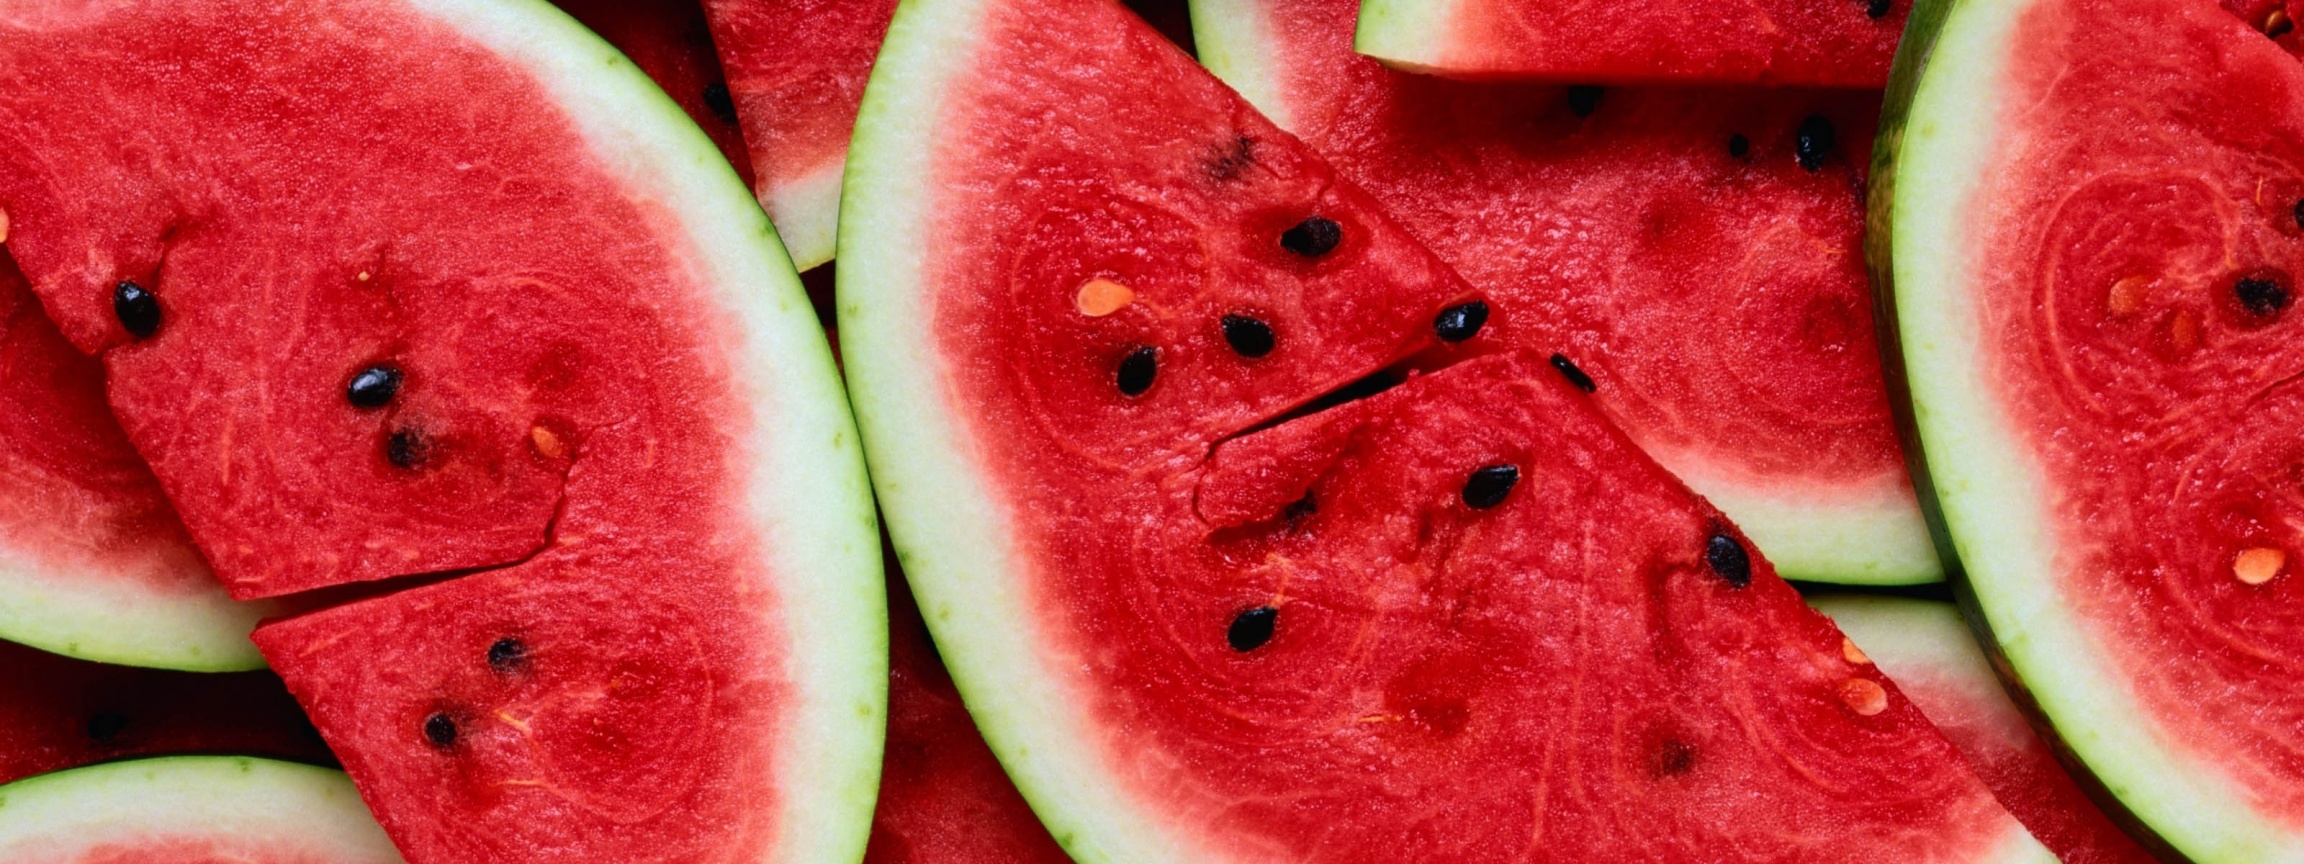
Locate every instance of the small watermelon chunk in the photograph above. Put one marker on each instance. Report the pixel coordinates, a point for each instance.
(1801, 43)
(57, 712)
(2089, 234)
(189, 809)
(1237, 559)
(1696, 253)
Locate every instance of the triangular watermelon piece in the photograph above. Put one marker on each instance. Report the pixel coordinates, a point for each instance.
(1814, 43)
(1697, 253)
(443, 307)
(1113, 338)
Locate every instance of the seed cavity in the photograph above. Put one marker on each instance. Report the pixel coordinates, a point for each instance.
(717, 98)
(1138, 370)
(374, 386)
(1461, 321)
(1574, 374)
(1100, 297)
(1727, 558)
(440, 729)
(103, 726)
(1674, 757)
(1876, 9)
(2258, 565)
(1488, 486)
(1248, 336)
(1739, 146)
(1252, 628)
(407, 448)
(1583, 99)
(1864, 696)
(2262, 297)
(1814, 141)
(1313, 237)
(137, 309)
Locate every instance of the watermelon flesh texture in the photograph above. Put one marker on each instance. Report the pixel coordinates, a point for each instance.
(1203, 622)
(190, 810)
(2097, 335)
(1935, 661)
(672, 44)
(1836, 43)
(57, 712)
(627, 436)
(1683, 248)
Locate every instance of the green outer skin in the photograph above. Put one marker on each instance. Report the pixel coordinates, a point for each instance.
(1974, 486)
(198, 631)
(52, 816)
(1389, 31)
(1824, 543)
(807, 488)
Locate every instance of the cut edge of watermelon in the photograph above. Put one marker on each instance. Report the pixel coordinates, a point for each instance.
(807, 489)
(806, 210)
(1235, 44)
(52, 816)
(115, 621)
(1973, 486)
(916, 450)
(1407, 35)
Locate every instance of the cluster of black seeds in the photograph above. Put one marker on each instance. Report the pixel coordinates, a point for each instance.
(506, 656)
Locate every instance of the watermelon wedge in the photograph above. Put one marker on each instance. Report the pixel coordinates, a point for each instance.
(1834, 43)
(528, 408)
(1696, 253)
(1237, 559)
(189, 809)
(1925, 646)
(2094, 334)
(93, 563)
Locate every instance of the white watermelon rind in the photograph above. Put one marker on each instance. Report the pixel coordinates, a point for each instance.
(1408, 35)
(284, 806)
(1938, 129)
(129, 622)
(807, 490)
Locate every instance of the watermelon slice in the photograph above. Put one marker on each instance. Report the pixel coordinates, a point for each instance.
(189, 809)
(1834, 43)
(1925, 646)
(2089, 226)
(1113, 336)
(1697, 254)
(442, 308)
(93, 563)
(57, 712)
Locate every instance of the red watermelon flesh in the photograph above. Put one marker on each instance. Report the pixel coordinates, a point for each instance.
(57, 713)
(1697, 253)
(1814, 43)
(670, 41)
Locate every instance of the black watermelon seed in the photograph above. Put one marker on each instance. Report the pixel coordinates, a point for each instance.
(104, 726)
(2261, 297)
(1739, 146)
(1248, 336)
(1814, 142)
(1138, 369)
(374, 387)
(2298, 212)
(1461, 321)
(1489, 485)
(1251, 629)
(1583, 99)
(507, 654)
(1313, 237)
(1876, 9)
(1727, 557)
(723, 105)
(440, 729)
(1574, 374)
(406, 448)
(137, 309)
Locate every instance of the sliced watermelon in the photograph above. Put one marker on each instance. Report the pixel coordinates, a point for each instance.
(57, 712)
(2089, 230)
(1697, 254)
(439, 305)
(672, 43)
(1112, 336)
(189, 809)
(93, 563)
(1925, 646)
(1832, 43)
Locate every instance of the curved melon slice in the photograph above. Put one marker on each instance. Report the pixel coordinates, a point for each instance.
(624, 600)
(1697, 253)
(192, 808)
(1205, 605)
(1925, 646)
(93, 563)
(1832, 43)
(57, 712)
(2098, 337)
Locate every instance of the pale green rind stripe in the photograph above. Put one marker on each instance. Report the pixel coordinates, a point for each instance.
(131, 624)
(1234, 40)
(1409, 35)
(283, 810)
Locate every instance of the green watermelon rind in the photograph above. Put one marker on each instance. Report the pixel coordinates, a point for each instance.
(807, 489)
(55, 610)
(48, 816)
(1406, 34)
(1867, 542)
(1936, 135)
(806, 210)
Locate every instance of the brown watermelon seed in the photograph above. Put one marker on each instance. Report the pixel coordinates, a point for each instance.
(1739, 146)
(103, 726)
(507, 655)
(1876, 9)
(1138, 370)
(1100, 297)
(2127, 296)
(440, 729)
(1864, 696)
(1489, 485)
(1249, 336)
(406, 448)
(2278, 24)
(374, 386)
(1313, 237)
(1574, 374)
(137, 309)
(1853, 654)
(4, 222)
(717, 99)
(1252, 628)
(2258, 565)
(2262, 297)
(1583, 99)
(1461, 321)
(1726, 556)
(1813, 142)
